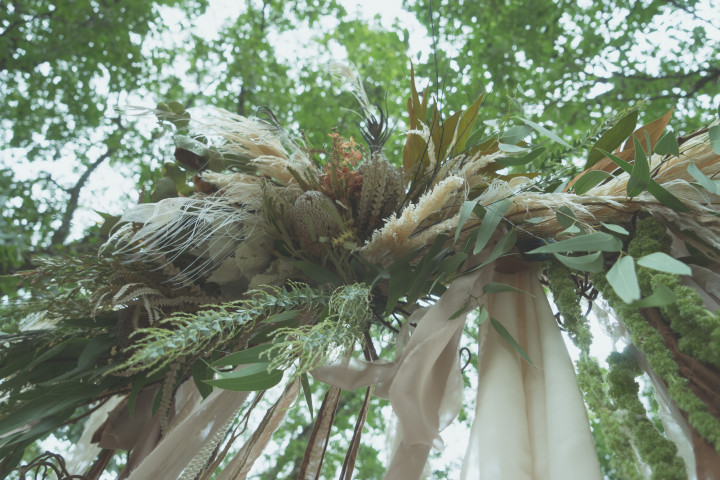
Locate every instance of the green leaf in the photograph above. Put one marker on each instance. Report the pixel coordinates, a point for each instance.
(598, 241)
(248, 379)
(398, 287)
(640, 175)
(707, 183)
(465, 211)
(565, 217)
(201, 371)
(714, 138)
(508, 148)
(317, 273)
(544, 131)
(164, 188)
(663, 196)
(502, 331)
(483, 315)
(661, 296)
(452, 263)
(281, 316)
(514, 135)
(623, 280)
(521, 160)
(308, 393)
(615, 228)
(664, 263)
(612, 139)
(504, 245)
(495, 212)
(243, 357)
(668, 144)
(589, 180)
(496, 287)
(460, 311)
(466, 122)
(592, 263)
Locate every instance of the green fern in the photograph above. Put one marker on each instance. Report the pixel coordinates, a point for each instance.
(187, 335)
(348, 316)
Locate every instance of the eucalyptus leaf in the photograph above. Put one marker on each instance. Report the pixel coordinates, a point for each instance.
(668, 145)
(502, 331)
(615, 228)
(465, 211)
(598, 241)
(248, 356)
(565, 217)
(201, 371)
(521, 160)
(544, 131)
(317, 273)
(612, 138)
(664, 263)
(714, 138)
(640, 175)
(660, 297)
(592, 263)
(248, 383)
(506, 147)
(707, 183)
(589, 180)
(663, 196)
(495, 212)
(460, 310)
(514, 135)
(504, 245)
(623, 279)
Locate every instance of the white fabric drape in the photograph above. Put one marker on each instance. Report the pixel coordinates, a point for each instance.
(530, 421)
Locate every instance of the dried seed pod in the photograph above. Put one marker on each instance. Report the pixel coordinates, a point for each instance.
(382, 192)
(315, 221)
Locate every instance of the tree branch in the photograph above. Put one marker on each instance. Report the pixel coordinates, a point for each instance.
(63, 231)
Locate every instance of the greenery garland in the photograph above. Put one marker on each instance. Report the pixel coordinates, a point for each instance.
(650, 237)
(657, 451)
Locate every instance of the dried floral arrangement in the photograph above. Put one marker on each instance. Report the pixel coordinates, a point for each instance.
(278, 263)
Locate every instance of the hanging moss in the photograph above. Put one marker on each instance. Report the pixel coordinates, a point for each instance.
(566, 298)
(699, 329)
(652, 345)
(655, 450)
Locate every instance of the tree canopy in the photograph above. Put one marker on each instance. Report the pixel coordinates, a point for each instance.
(70, 71)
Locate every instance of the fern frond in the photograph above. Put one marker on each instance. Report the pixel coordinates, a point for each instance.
(349, 313)
(187, 335)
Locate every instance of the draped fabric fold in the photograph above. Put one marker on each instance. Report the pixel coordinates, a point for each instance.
(179, 447)
(530, 420)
